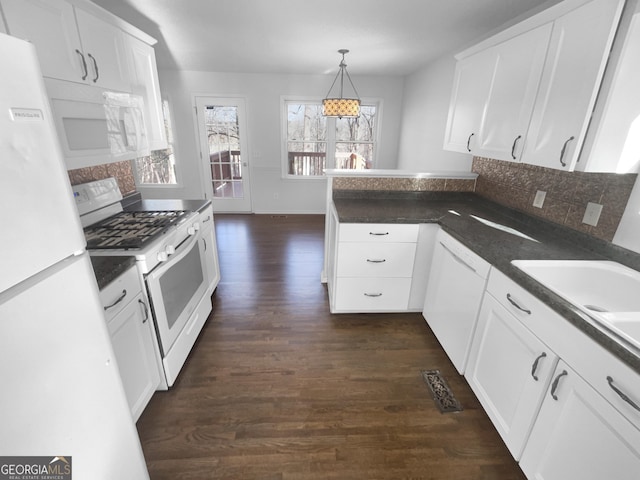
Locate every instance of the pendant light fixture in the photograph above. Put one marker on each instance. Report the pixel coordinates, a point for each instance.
(341, 107)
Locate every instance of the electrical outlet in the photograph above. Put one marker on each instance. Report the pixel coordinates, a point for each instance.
(592, 214)
(538, 201)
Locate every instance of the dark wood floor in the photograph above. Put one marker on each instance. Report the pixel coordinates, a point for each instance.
(278, 388)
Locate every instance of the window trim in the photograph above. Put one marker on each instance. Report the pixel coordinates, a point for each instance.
(285, 100)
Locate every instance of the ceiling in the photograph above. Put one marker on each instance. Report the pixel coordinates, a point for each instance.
(385, 37)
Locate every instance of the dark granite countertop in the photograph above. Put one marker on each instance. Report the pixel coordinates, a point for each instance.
(108, 268)
(554, 242)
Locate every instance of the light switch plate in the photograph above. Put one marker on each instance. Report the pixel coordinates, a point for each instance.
(538, 201)
(592, 214)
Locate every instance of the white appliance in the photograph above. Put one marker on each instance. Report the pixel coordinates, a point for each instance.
(97, 126)
(454, 293)
(61, 390)
(171, 259)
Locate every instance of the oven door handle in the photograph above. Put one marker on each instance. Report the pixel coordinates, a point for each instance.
(182, 251)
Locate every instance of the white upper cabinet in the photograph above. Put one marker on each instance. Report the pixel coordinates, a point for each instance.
(518, 67)
(536, 86)
(577, 57)
(72, 44)
(104, 48)
(144, 82)
(51, 26)
(612, 143)
(471, 86)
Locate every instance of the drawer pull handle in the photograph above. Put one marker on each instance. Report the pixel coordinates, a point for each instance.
(95, 67)
(622, 395)
(85, 72)
(513, 147)
(146, 311)
(372, 294)
(469, 141)
(376, 261)
(554, 386)
(513, 302)
(562, 152)
(118, 300)
(534, 367)
(378, 234)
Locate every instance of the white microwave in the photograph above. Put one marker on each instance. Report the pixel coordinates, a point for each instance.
(97, 126)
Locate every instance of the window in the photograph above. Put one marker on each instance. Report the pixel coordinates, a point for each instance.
(314, 142)
(159, 168)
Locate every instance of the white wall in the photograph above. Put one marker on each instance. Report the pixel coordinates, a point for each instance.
(263, 93)
(424, 118)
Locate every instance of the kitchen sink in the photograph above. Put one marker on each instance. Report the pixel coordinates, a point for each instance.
(606, 291)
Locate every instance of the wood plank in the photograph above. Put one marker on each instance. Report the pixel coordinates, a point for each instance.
(278, 388)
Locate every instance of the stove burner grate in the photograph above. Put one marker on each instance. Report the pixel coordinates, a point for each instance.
(127, 230)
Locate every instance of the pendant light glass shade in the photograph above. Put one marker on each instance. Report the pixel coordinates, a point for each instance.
(340, 106)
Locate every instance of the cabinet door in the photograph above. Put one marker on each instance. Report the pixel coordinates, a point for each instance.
(103, 46)
(144, 82)
(132, 337)
(209, 250)
(578, 434)
(509, 370)
(471, 84)
(577, 57)
(518, 67)
(50, 25)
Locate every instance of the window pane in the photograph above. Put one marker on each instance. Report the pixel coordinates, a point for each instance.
(306, 135)
(160, 166)
(305, 122)
(354, 156)
(357, 129)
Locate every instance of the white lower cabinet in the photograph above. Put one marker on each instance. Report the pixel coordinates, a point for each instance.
(509, 370)
(371, 267)
(565, 407)
(579, 435)
(133, 339)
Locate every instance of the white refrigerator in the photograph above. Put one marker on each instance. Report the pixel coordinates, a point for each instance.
(60, 390)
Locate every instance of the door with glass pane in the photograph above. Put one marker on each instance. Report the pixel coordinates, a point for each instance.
(222, 128)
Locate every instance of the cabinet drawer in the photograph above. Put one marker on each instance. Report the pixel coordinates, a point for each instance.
(372, 294)
(120, 292)
(376, 259)
(378, 232)
(532, 312)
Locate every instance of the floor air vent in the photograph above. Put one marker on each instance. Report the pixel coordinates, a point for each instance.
(442, 395)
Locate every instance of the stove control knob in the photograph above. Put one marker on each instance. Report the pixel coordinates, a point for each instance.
(162, 256)
(191, 230)
(196, 226)
(170, 250)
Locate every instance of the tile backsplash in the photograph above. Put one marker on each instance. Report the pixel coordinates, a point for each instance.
(405, 184)
(567, 193)
(122, 172)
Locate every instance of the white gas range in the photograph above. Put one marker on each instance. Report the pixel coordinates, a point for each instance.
(173, 242)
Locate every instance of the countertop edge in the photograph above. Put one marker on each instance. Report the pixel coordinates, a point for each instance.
(455, 224)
